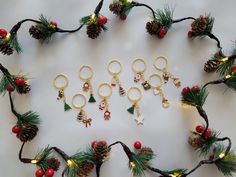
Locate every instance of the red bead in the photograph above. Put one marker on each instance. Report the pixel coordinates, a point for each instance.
(102, 20)
(137, 144)
(123, 17)
(162, 33)
(54, 24)
(16, 129)
(20, 81)
(39, 173)
(3, 33)
(199, 129)
(233, 69)
(195, 88)
(185, 90)
(10, 88)
(208, 133)
(93, 144)
(49, 172)
(190, 34)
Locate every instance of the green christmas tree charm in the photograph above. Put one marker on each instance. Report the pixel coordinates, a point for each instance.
(92, 99)
(66, 107)
(131, 109)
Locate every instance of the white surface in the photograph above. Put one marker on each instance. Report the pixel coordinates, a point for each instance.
(166, 130)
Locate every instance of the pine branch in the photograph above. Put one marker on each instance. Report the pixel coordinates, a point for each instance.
(165, 16)
(29, 118)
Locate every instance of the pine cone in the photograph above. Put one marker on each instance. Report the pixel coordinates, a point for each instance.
(200, 25)
(53, 163)
(24, 89)
(93, 30)
(101, 150)
(27, 132)
(116, 8)
(37, 32)
(6, 49)
(194, 140)
(153, 27)
(85, 168)
(211, 65)
(146, 150)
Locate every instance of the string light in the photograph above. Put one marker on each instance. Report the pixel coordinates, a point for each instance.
(34, 161)
(228, 76)
(132, 164)
(70, 162)
(222, 155)
(224, 59)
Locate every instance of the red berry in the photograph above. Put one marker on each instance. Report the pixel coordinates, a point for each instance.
(10, 88)
(20, 81)
(211, 157)
(49, 172)
(208, 133)
(16, 129)
(39, 173)
(102, 20)
(195, 88)
(3, 33)
(123, 17)
(54, 24)
(190, 34)
(185, 90)
(94, 143)
(199, 129)
(162, 33)
(137, 144)
(233, 69)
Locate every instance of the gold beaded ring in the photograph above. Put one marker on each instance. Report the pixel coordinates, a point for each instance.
(66, 83)
(134, 89)
(77, 106)
(113, 62)
(86, 67)
(103, 85)
(157, 86)
(165, 63)
(141, 61)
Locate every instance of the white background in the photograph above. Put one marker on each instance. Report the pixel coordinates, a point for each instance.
(166, 130)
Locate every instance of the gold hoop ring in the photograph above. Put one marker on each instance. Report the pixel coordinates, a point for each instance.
(134, 89)
(141, 61)
(77, 106)
(61, 75)
(114, 72)
(86, 67)
(153, 76)
(103, 85)
(158, 59)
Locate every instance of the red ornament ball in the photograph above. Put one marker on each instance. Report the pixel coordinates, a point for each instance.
(137, 145)
(49, 172)
(3, 33)
(10, 88)
(15, 129)
(195, 88)
(102, 20)
(185, 90)
(20, 81)
(208, 133)
(162, 33)
(39, 173)
(54, 24)
(93, 144)
(199, 129)
(123, 17)
(190, 34)
(233, 69)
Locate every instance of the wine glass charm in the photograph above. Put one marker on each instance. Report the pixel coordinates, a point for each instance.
(139, 73)
(104, 103)
(82, 116)
(156, 87)
(115, 79)
(134, 100)
(166, 74)
(87, 86)
(61, 89)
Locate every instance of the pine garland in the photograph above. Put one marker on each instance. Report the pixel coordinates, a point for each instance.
(165, 17)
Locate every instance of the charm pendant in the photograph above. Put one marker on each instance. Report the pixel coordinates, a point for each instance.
(131, 109)
(137, 77)
(102, 105)
(86, 87)
(107, 115)
(80, 116)
(166, 77)
(146, 85)
(139, 120)
(156, 92)
(165, 103)
(87, 122)
(177, 82)
(60, 94)
(113, 82)
(122, 91)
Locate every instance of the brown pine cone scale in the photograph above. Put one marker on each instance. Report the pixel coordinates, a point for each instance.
(27, 133)
(6, 49)
(93, 30)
